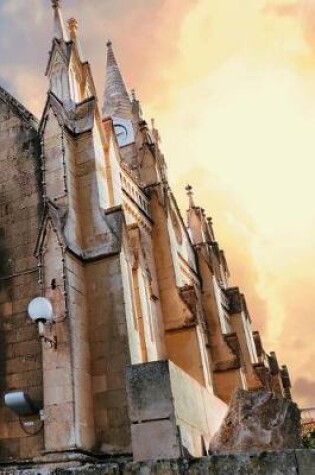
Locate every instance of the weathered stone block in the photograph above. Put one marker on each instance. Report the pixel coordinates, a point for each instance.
(144, 384)
(155, 440)
(258, 421)
(305, 462)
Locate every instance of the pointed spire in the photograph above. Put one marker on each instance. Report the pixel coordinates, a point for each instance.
(60, 32)
(116, 99)
(190, 195)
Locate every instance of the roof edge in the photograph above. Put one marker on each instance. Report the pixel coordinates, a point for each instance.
(24, 113)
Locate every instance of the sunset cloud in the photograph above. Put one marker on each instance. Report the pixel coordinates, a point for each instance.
(304, 386)
(283, 9)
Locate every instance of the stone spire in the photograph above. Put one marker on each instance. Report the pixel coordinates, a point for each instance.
(60, 32)
(116, 99)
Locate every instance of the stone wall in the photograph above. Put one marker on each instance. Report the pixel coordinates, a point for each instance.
(298, 462)
(20, 214)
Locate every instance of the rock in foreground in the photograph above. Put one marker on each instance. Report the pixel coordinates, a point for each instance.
(257, 420)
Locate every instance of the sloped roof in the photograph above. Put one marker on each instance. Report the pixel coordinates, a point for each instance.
(25, 115)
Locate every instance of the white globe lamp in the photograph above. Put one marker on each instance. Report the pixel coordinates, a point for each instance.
(40, 310)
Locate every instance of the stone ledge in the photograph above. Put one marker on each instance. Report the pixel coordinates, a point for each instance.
(289, 462)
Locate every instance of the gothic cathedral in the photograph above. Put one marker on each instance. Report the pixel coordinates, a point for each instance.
(119, 332)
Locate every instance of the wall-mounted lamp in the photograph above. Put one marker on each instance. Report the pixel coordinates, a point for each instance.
(41, 312)
(28, 411)
(20, 403)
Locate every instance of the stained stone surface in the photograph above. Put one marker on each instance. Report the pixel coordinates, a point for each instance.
(257, 420)
(285, 462)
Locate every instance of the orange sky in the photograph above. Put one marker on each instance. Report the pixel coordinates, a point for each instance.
(232, 87)
(231, 84)
(240, 126)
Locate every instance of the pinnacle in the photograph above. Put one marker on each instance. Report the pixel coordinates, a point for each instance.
(59, 28)
(190, 194)
(116, 101)
(72, 24)
(55, 3)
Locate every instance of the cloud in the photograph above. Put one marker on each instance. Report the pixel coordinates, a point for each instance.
(305, 389)
(244, 118)
(151, 34)
(18, 11)
(283, 9)
(303, 11)
(148, 48)
(294, 289)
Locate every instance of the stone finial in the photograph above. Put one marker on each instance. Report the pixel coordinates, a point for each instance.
(190, 194)
(133, 95)
(55, 3)
(73, 25)
(73, 29)
(210, 226)
(210, 223)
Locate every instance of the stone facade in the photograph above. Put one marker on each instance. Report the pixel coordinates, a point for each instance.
(143, 314)
(21, 209)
